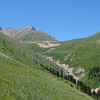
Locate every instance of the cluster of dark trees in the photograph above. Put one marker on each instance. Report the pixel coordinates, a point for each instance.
(94, 72)
(80, 85)
(84, 88)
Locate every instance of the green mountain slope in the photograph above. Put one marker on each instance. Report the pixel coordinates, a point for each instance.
(93, 38)
(23, 53)
(18, 81)
(83, 53)
(23, 78)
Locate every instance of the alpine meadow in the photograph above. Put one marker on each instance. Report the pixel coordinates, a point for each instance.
(35, 66)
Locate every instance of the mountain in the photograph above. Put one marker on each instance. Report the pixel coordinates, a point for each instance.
(83, 56)
(24, 74)
(93, 38)
(28, 34)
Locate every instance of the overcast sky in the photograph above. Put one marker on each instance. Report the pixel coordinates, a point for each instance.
(62, 19)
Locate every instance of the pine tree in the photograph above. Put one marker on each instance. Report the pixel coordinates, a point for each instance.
(61, 73)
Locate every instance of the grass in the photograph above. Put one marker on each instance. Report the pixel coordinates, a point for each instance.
(23, 79)
(87, 55)
(20, 82)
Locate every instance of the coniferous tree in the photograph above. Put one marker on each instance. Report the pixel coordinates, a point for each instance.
(71, 85)
(88, 90)
(61, 73)
(57, 73)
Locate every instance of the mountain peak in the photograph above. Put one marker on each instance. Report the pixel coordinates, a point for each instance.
(29, 27)
(28, 33)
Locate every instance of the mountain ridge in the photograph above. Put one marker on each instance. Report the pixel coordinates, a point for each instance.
(27, 33)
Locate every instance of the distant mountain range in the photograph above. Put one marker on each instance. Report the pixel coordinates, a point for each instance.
(27, 34)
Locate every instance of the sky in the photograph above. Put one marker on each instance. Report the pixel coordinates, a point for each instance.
(62, 19)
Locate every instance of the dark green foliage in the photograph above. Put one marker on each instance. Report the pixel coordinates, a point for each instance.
(71, 85)
(96, 95)
(94, 72)
(62, 73)
(70, 78)
(84, 88)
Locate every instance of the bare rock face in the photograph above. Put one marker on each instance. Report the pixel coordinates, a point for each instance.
(29, 27)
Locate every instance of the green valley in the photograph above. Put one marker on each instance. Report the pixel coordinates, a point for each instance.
(26, 73)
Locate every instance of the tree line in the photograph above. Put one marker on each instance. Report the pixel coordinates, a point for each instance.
(94, 72)
(80, 85)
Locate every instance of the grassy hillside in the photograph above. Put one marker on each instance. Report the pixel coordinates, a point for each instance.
(23, 53)
(35, 36)
(86, 55)
(20, 82)
(23, 78)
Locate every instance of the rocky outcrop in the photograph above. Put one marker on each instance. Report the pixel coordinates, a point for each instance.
(29, 27)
